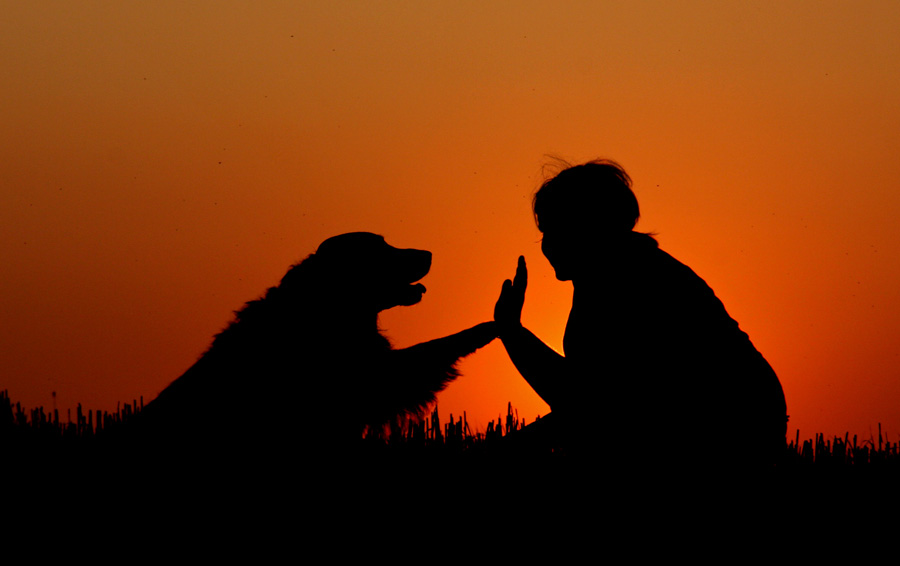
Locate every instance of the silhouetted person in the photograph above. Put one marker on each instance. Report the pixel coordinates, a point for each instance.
(654, 368)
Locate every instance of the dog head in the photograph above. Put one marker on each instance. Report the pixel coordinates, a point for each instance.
(363, 271)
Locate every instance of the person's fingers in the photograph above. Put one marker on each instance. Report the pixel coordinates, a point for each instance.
(521, 279)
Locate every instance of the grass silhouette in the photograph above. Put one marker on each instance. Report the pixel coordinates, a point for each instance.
(36, 430)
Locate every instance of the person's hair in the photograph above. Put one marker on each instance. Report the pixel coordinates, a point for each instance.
(597, 192)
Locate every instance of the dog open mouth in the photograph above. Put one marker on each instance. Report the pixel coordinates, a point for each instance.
(412, 294)
(418, 264)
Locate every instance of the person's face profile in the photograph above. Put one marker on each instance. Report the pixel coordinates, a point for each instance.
(560, 246)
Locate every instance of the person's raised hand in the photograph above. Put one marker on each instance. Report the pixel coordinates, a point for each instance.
(508, 310)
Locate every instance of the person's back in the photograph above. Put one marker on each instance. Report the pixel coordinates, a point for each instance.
(658, 369)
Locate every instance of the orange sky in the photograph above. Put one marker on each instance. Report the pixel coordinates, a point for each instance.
(162, 163)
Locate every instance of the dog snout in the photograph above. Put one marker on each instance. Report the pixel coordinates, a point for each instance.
(419, 263)
(410, 265)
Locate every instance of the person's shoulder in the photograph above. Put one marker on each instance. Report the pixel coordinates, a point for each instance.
(678, 277)
(648, 257)
(640, 242)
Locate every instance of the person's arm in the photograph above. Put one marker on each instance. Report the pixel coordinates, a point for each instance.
(539, 364)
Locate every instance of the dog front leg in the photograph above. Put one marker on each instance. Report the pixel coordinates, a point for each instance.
(421, 371)
(448, 350)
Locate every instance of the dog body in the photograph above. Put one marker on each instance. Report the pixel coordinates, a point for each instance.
(306, 364)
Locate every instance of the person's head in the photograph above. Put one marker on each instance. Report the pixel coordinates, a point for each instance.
(582, 206)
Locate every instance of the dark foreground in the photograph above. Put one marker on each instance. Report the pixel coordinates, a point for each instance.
(84, 476)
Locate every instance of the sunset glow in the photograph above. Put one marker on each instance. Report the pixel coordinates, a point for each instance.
(164, 163)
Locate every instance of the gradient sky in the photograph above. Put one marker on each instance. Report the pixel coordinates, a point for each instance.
(162, 163)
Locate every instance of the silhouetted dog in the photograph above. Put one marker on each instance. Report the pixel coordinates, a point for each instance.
(306, 365)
